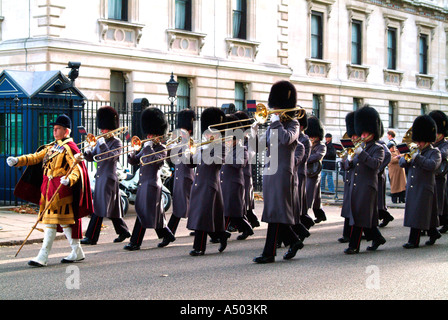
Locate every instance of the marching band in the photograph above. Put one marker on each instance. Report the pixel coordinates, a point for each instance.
(212, 183)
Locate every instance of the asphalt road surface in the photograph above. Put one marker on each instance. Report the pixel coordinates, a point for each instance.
(319, 271)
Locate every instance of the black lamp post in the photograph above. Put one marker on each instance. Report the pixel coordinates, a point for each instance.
(172, 92)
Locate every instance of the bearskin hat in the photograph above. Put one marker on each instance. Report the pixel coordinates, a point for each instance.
(283, 95)
(367, 119)
(241, 115)
(350, 124)
(231, 118)
(441, 120)
(185, 119)
(315, 128)
(107, 118)
(424, 129)
(303, 122)
(210, 116)
(154, 122)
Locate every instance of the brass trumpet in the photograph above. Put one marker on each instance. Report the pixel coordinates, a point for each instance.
(135, 145)
(192, 147)
(407, 138)
(261, 115)
(92, 139)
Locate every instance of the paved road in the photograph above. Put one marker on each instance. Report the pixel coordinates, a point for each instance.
(319, 271)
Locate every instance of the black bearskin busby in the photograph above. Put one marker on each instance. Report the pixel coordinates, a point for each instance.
(231, 118)
(185, 119)
(283, 95)
(424, 129)
(210, 116)
(350, 124)
(315, 128)
(154, 122)
(441, 120)
(107, 118)
(367, 119)
(303, 122)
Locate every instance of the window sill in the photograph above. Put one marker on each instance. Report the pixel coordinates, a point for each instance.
(357, 72)
(124, 32)
(185, 41)
(242, 49)
(317, 67)
(424, 81)
(393, 77)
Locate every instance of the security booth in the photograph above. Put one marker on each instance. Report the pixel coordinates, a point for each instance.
(29, 102)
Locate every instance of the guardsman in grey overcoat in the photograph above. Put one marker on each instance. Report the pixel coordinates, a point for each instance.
(232, 181)
(315, 131)
(420, 211)
(278, 186)
(305, 219)
(106, 198)
(148, 202)
(206, 210)
(383, 213)
(183, 173)
(441, 120)
(248, 180)
(347, 167)
(299, 228)
(364, 183)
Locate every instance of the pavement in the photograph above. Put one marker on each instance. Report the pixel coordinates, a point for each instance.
(15, 227)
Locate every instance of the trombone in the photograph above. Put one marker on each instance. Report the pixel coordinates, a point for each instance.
(92, 139)
(192, 147)
(261, 116)
(135, 145)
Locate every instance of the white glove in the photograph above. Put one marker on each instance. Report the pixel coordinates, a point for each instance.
(148, 143)
(12, 161)
(275, 117)
(358, 150)
(65, 181)
(414, 155)
(88, 149)
(350, 157)
(101, 141)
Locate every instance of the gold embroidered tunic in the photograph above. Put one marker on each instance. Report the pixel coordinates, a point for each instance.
(57, 159)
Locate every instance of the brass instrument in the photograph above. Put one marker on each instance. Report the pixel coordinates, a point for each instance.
(135, 145)
(411, 145)
(360, 142)
(192, 147)
(261, 115)
(92, 139)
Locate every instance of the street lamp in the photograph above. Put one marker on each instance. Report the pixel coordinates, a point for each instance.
(172, 92)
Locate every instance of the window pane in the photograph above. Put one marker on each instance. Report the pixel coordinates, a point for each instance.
(183, 15)
(423, 54)
(356, 42)
(316, 36)
(316, 105)
(391, 114)
(239, 20)
(183, 93)
(118, 9)
(391, 48)
(117, 91)
(11, 133)
(240, 96)
(45, 130)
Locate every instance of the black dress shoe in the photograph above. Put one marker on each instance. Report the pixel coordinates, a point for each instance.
(291, 253)
(88, 241)
(344, 239)
(409, 245)
(432, 239)
(245, 234)
(386, 221)
(264, 259)
(350, 250)
(196, 253)
(444, 229)
(376, 244)
(166, 241)
(223, 242)
(122, 237)
(255, 224)
(131, 247)
(320, 216)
